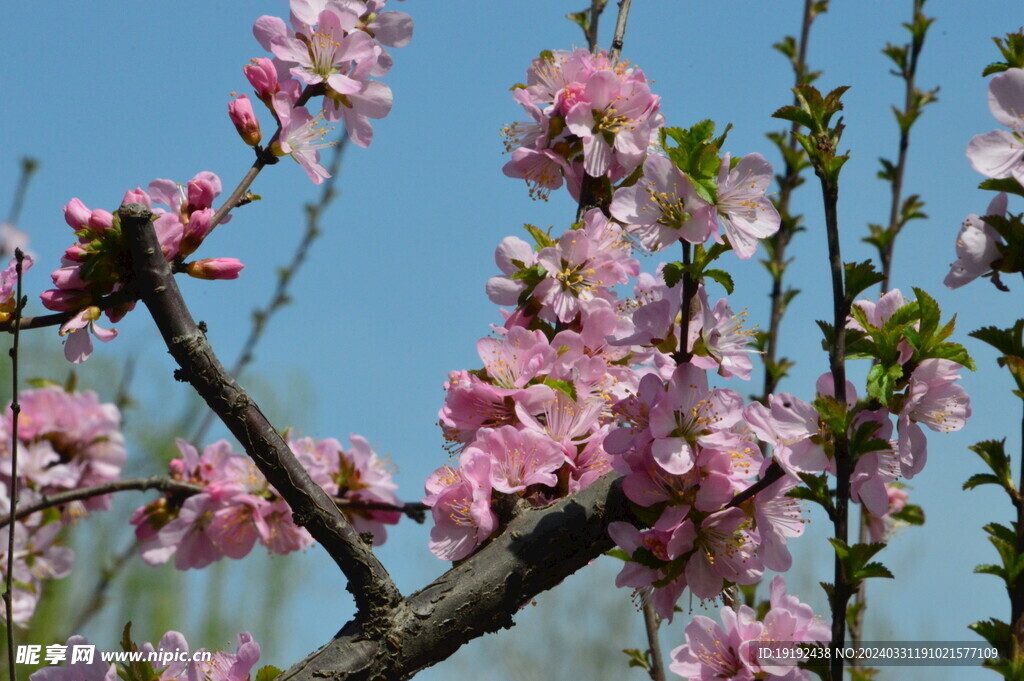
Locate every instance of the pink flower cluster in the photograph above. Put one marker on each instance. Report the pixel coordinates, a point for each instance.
(587, 115)
(730, 651)
(238, 507)
(66, 441)
(998, 155)
(335, 47)
(579, 381)
(173, 662)
(94, 266)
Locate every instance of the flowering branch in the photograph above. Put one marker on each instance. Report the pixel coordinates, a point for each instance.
(19, 304)
(369, 581)
(264, 157)
(414, 510)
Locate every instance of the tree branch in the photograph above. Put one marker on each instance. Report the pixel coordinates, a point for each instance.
(414, 510)
(368, 580)
(538, 549)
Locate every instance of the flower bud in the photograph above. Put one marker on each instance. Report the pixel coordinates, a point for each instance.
(62, 301)
(263, 77)
(195, 231)
(137, 196)
(214, 268)
(248, 127)
(76, 214)
(100, 221)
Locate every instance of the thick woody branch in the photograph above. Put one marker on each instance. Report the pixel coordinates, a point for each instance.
(313, 509)
(538, 549)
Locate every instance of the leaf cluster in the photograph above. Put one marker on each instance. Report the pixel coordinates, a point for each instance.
(814, 112)
(1012, 49)
(1009, 342)
(697, 152)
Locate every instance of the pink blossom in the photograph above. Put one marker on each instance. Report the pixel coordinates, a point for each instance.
(726, 549)
(518, 458)
(977, 246)
(227, 666)
(462, 511)
(746, 212)
(712, 652)
(661, 546)
(792, 426)
(879, 526)
(662, 207)
(687, 413)
(935, 399)
(998, 154)
(79, 331)
(512, 255)
(302, 137)
(262, 75)
(517, 358)
(323, 54)
(9, 285)
(723, 339)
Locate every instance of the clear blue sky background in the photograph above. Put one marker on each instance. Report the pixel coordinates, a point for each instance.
(109, 95)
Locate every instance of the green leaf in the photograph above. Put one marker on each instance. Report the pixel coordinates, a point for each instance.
(815, 489)
(873, 570)
(859, 277)
(566, 387)
(1006, 184)
(673, 273)
(541, 238)
(882, 381)
(912, 514)
(722, 277)
(995, 632)
(979, 479)
(619, 553)
(637, 658)
(267, 673)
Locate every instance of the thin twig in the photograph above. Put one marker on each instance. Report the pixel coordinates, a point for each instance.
(620, 31)
(596, 7)
(414, 510)
(279, 298)
(651, 624)
(374, 591)
(909, 103)
(28, 168)
(19, 302)
(788, 182)
(683, 354)
(771, 475)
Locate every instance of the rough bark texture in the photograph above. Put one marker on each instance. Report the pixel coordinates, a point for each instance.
(538, 549)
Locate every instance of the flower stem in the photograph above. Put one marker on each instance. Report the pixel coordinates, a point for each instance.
(19, 303)
(683, 355)
(651, 624)
(844, 466)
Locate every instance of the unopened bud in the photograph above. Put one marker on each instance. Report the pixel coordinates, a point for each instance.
(242, 115)
(214, 268)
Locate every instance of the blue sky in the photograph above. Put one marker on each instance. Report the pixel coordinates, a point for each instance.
(392, 296)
